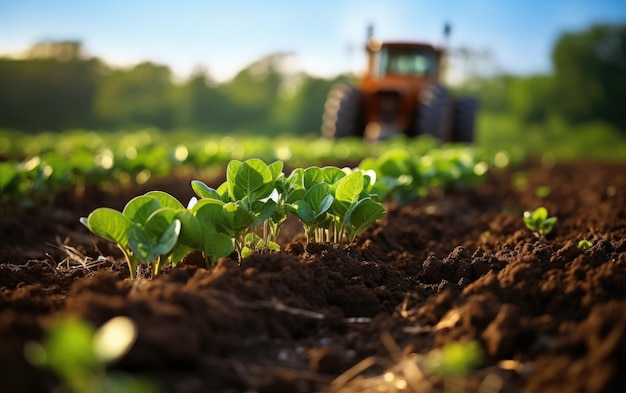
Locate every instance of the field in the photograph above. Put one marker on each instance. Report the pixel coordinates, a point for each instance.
(450, 292)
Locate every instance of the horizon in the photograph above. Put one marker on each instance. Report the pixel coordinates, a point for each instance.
(325, 37)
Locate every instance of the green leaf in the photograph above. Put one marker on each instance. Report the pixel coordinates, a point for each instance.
(7, 173)
(109, 224)
(395, 163)
(276, 168)
(231, 174)
(319, 197)
(191, 230)
(179, 252)
(349, 188)
(296, 178)
(165, 199)
(254, 180)
(204, 191)
(312, 175)
(362, 215)
(208, 213)
(234, 219)
(348, 192)
(540, 214)
(217, 245)
(273, 246)
(148, 247)
(303, 210)
(69, 349)
(263, 210)
(332, 174)
(140, 208)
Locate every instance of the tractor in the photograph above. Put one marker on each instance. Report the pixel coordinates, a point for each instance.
(400, 93)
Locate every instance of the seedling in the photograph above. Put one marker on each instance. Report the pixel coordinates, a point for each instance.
(585, 244)
(539, 222)
(145, 231)
(455, 359)
(543, 191)
(79, 355)
(337, 204)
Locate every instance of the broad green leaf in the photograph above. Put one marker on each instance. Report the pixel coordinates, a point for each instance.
(296, 195)
(231, 173)
(347, 192)
(208, 213)
(179, 252)
(168, 240)
(303, 210)
(109, 224)
(296, 178)
(319, 197)
(362, 215)
(395, 163)
(165, 199)
(7, 173)
(312, 175)
(332, 174)
(234, 219)
(217, 245)
(69, 348)
(222, 190)
(263, 210)
(350, 187)
(204, 191)
(253, 180)
(191, 230)
(276, 168)
(147, 247)
(140, 208)
(273, 246)
(141, 243)
(540, 214)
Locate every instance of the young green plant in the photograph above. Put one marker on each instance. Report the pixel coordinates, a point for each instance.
(146, 231)
(78, 354)
(539, 222)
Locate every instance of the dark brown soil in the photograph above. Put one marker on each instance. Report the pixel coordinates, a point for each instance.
(550, 316)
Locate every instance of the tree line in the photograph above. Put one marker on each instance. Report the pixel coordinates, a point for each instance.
(587, 82)
(56, 87)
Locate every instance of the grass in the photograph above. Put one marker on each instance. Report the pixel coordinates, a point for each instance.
(552, 140)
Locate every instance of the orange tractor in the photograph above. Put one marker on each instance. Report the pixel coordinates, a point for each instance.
(400, 93)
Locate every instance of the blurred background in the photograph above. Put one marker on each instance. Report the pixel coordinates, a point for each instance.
(542, 70)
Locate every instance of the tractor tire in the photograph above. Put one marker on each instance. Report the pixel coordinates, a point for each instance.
(433, 114)
(464, 119)
(343, 112)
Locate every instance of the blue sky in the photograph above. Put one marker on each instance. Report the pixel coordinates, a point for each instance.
(325, 35)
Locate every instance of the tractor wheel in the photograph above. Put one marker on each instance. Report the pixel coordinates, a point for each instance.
(464, 118)
(433, 113)
(343, 112)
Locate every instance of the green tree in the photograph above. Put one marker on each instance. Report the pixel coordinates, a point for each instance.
(532, 99)
(201, 105)
(141, 96)
(52, 89)
(255, 91)
(590, 74)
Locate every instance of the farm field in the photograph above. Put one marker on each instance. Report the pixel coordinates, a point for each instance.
(457, 270)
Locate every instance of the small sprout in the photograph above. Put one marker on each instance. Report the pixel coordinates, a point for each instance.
(585, 244)
(539, 222)
(79, 355)
(543, 191)
(455, 359)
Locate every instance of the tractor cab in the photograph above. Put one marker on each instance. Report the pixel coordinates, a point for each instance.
(400, 93)
(396, 79)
